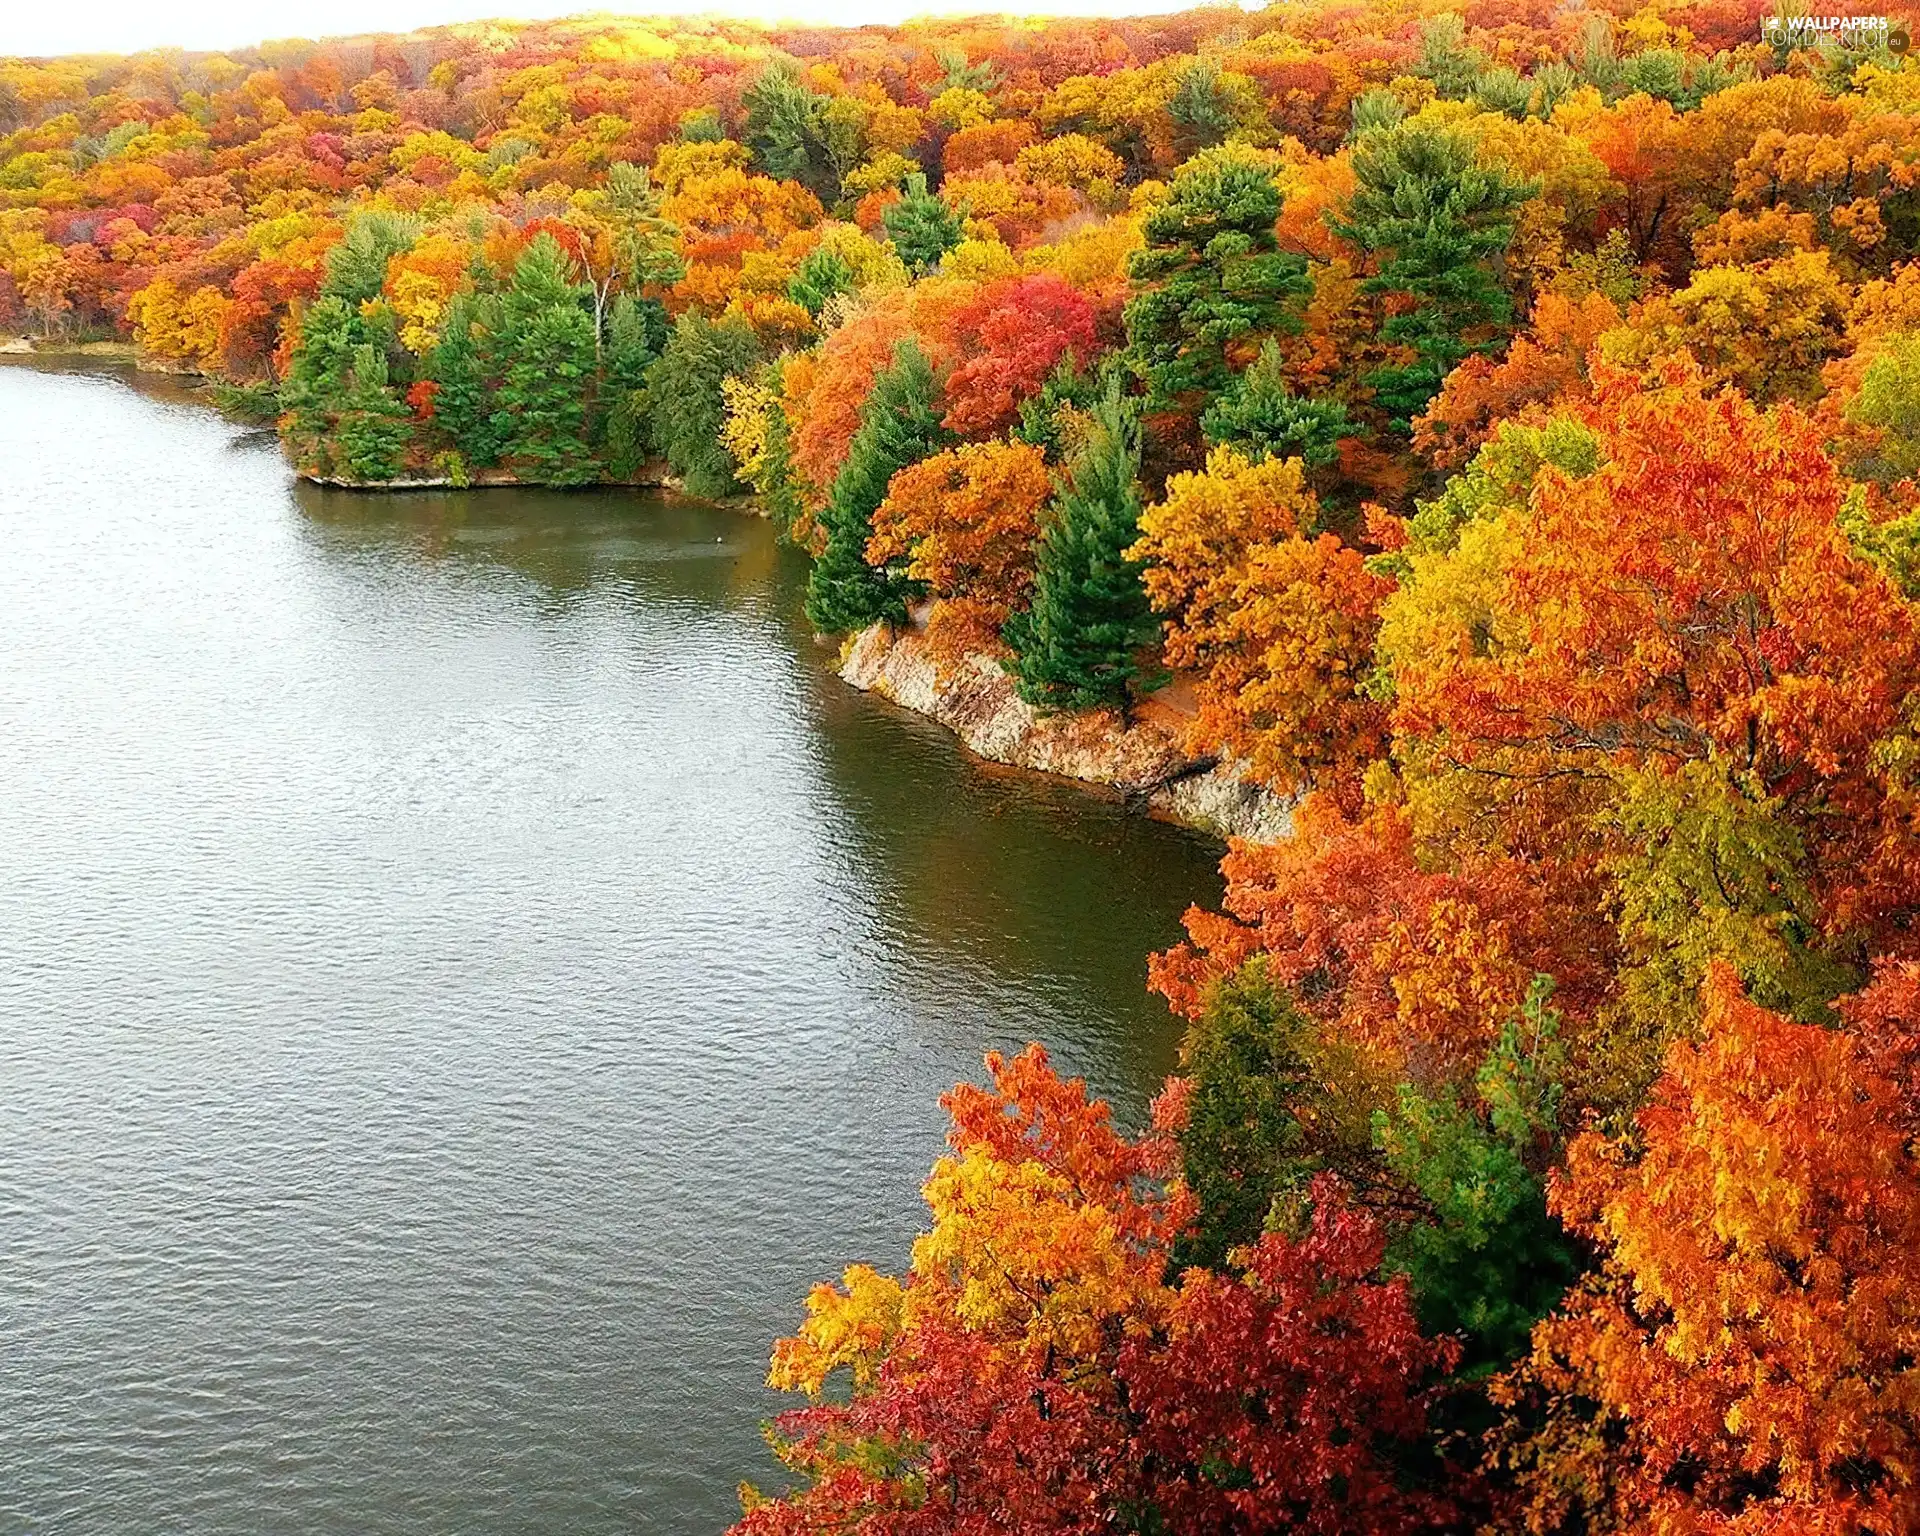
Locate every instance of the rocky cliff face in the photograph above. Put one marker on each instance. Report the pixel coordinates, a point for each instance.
(1143, 761)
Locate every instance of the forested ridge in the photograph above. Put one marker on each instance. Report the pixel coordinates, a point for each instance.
(1502, 426)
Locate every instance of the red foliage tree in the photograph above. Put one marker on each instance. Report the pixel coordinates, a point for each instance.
(1016, 331)
(1265, 1401)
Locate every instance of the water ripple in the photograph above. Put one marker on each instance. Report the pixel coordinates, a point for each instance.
(465, 970)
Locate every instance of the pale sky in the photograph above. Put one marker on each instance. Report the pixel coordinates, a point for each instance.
(126, 26)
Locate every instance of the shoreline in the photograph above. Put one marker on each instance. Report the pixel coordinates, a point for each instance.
(1143, 762)
(495, 480)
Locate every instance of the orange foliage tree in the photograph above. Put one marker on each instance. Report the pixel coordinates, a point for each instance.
(1011, 336)
(829, 413)
(965, 521)
(1693, 600)
(1545, 364)
(1276, 622)
(1747, 1359)
(1416, 965)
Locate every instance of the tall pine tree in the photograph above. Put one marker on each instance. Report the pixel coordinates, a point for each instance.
(357, 265)
(787, 130)
(1078, 646)
(1211, 281)
(636, 334)
(899, 425)
(317, 377)
(462, 365)
(1264, 419)
(343, 417)
(1437, 220)
(921, 226)
(685, 393)
(373, 428)
(547, 344)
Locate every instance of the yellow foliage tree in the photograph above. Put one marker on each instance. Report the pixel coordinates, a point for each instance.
(1276, 623)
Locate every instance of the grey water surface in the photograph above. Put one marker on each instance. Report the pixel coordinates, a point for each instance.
(466, 968)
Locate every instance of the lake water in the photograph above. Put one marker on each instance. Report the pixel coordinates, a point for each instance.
(466, 969)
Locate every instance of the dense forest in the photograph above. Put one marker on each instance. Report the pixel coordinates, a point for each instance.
(1503, 422)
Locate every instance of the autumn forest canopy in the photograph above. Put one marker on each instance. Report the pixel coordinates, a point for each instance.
(1501, 425)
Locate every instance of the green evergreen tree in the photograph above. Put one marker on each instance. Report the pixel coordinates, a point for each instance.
(1446, 58)
(1596, 60)
(357, 265)
(317, 378)
(1211, 274)
(702, 125)
(462, 365)
(1068, 389)
(329, 374)
(545, 344)
(1248, 1064)
(1551, 84)
(899, 425)
(1079, 645)
(1202, 107)
(1264, 419)
(1502, 90)
(1489, 1261)
(254, 401)
(636, 335)
(921, 226)
(957, 74)
(820, 276)
(373, 426)
(1374, 109)
(688, 408)
(787, 131)
(1439, 219)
